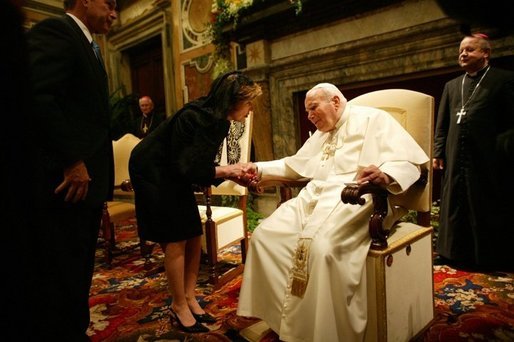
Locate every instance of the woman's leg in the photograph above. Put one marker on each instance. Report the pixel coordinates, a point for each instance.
(193, 251)
(174, 261)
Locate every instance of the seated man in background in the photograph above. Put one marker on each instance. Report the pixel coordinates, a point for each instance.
(148, 120)
(305, 273)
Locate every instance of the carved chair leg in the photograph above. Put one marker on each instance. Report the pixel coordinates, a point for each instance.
(244, 248)
(212, 252)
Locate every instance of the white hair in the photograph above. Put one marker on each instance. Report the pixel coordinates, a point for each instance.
(330, 90)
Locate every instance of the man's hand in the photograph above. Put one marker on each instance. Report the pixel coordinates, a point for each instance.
(250, 171)
(239, 170)
(373, 175)
(243, 173)
(438, 164)
(76, 180)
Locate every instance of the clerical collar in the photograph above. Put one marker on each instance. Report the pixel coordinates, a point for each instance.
(477, 73)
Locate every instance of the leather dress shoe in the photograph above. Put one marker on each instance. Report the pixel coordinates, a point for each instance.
(204, 318)
(195, 328)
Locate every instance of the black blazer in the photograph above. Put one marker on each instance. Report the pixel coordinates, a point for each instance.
(70, 113)
(163, 167)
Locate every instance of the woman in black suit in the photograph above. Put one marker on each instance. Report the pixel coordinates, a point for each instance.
(163, 168)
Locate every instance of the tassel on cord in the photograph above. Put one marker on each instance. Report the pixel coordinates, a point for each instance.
(300, 268)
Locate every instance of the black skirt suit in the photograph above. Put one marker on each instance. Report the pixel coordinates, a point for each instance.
(163, 167)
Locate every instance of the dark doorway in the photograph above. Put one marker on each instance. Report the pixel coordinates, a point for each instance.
(147, 71)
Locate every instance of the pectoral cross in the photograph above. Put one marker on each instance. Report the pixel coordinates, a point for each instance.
(460, 114)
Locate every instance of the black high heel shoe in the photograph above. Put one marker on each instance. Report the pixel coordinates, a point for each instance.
(195, 328)
(204, 318)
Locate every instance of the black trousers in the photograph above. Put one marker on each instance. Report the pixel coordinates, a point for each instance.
(63, 262)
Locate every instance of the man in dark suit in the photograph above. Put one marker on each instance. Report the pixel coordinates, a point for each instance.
(71, 118)
(471, 147)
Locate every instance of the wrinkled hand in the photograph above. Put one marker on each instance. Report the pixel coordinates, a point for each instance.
(373, 175)
(76, 181)
(251, 175)
(438, 163)
(243, 173)
(238, 170)
(250, 170)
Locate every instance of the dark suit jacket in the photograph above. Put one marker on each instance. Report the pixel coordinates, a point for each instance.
(71, 110)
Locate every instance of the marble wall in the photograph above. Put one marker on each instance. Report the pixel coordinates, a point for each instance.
(400, 41)
(404, 40)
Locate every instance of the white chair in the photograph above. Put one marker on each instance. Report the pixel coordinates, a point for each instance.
(224, 225)
(399, 265)
(122, 207)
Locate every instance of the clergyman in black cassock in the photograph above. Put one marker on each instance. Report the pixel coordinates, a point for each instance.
(476, 109)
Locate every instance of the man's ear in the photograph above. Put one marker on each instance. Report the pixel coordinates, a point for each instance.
(336, 100)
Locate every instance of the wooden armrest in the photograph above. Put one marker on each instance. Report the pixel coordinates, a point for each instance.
(352, 194)
(126, 185)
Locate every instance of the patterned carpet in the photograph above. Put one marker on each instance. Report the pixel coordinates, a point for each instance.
(127, 304)
(472, 306)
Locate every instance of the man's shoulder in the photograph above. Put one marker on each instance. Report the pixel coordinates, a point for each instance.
(362, 111)
(455, 81)
(501, 70)
(501, 73)
(365, 115)
(60, 21)
(53, 26)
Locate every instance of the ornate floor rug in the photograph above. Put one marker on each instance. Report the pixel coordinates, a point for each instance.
(472, 306)
(130, 303)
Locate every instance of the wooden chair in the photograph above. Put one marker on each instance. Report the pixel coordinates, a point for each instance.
(122, 207)
(225, 225)
(399, 264)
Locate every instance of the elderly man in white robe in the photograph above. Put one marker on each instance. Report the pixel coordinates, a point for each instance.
(305, 274)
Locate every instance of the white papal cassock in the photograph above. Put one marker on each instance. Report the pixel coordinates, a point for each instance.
(333, 306)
